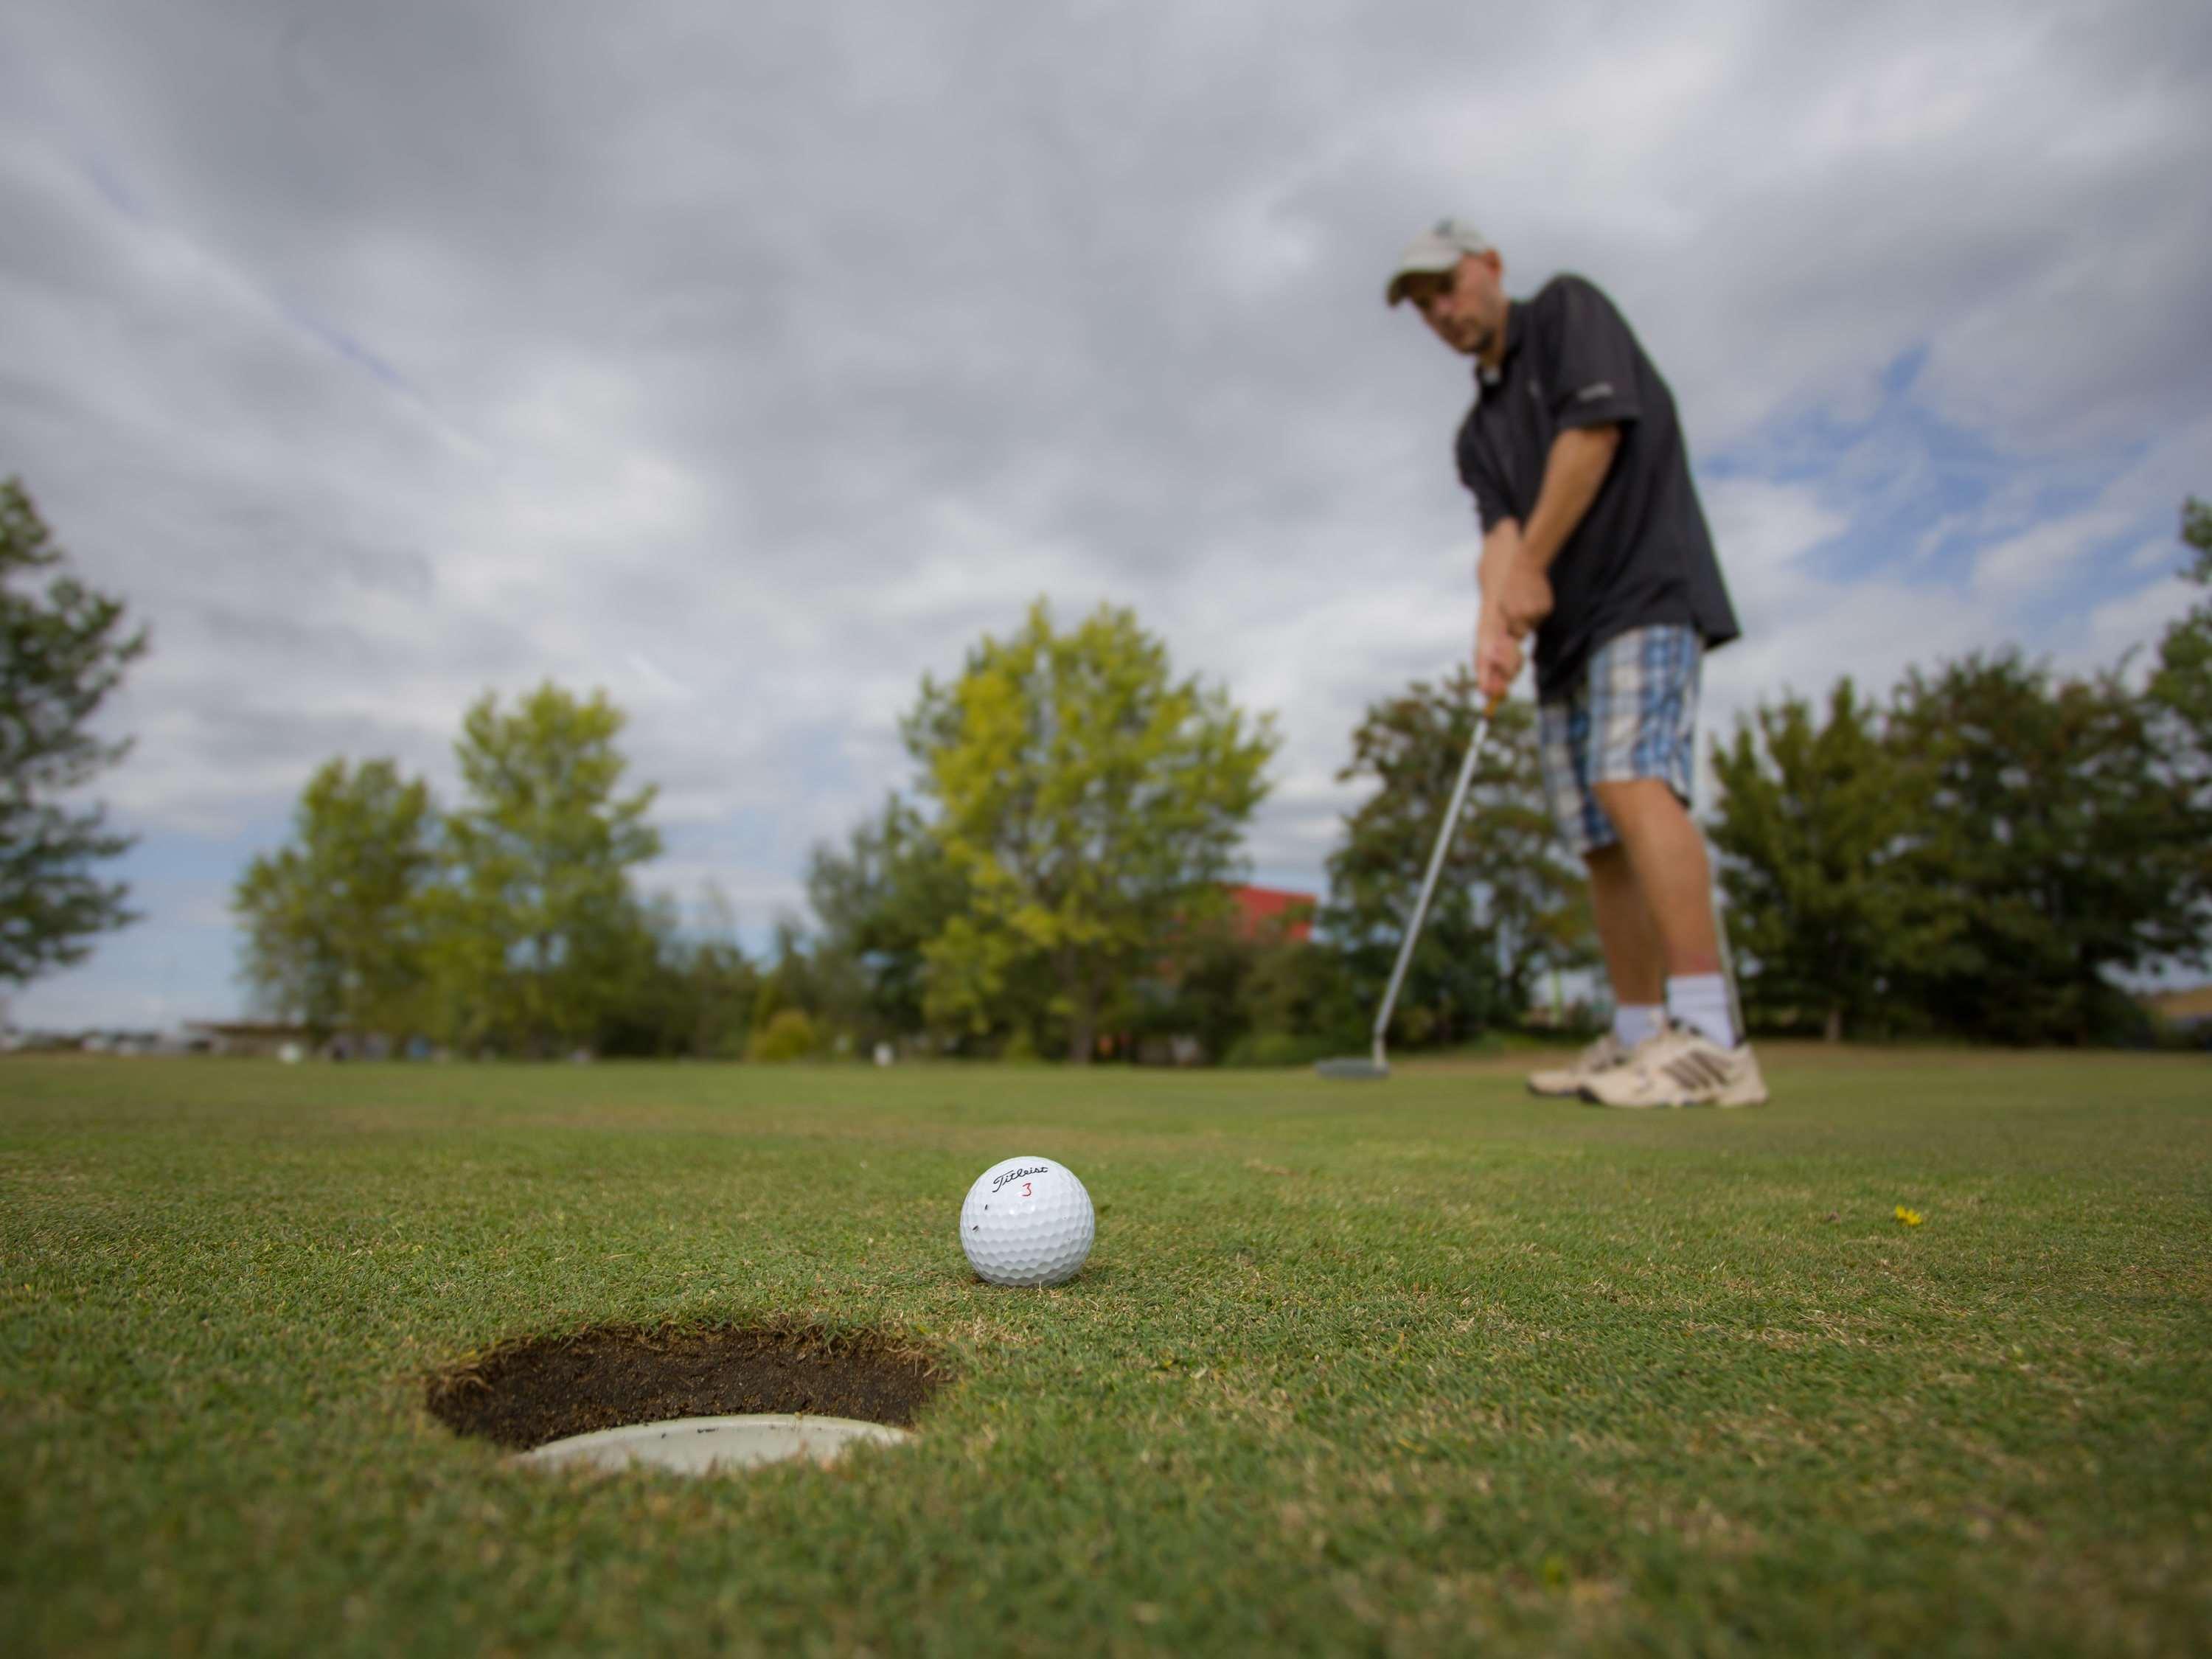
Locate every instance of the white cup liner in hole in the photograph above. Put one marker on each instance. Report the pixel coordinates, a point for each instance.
(700, 1445)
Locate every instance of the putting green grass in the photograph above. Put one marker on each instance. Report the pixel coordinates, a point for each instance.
(1413, 1367)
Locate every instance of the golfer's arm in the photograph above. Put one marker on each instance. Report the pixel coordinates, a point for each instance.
(1573, 472)
(1501, 546)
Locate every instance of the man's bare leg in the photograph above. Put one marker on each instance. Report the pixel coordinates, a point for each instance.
(1665, 849)
(1704, 1060)
(1635, 961)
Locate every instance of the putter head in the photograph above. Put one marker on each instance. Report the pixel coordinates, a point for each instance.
(1353, 1070)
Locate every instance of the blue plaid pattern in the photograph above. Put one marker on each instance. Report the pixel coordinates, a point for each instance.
(1633, 715)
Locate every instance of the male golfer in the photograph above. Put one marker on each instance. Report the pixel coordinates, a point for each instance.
(1593, 541)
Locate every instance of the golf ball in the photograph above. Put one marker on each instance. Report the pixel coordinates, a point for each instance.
(1027, 1221)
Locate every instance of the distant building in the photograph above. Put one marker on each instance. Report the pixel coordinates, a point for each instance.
(1273, 912)
(261, 1039)
(1256, 915)
(2187, 1010)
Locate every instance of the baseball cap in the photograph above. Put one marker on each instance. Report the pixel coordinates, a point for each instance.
(1435, 250)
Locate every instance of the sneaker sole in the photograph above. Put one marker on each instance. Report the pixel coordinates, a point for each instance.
(1671, 1105)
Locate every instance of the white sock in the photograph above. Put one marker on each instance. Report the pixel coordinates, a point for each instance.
(1700, 1001)
(1632, 1022)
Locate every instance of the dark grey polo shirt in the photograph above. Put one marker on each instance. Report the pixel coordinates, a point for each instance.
(1642, 554)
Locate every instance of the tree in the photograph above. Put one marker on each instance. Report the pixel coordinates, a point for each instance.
(1508, 905)
(334, 921)
(1236, 988)
(2181, 687)
(1302, 989)
(880, 902)
(1821, 830)
(826, 983)
(2180, 690)
(535, 924)
(647, 958)
(2072, 848)
(720, 985)
(644, 960)
(1091, 800)
(789, 1035)
(62, 650)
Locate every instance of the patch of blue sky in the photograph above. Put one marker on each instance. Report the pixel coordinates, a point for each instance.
(2101, 572)
(1921, 495)
(179, 961)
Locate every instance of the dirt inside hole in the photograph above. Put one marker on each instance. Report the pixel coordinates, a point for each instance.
(525, 1393)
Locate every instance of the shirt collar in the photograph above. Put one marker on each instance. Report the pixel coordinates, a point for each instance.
(1517, 326)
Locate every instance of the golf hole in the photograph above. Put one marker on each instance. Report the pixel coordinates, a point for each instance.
(688, 1398)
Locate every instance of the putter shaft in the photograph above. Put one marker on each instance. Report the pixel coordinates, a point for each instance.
(1429, 881)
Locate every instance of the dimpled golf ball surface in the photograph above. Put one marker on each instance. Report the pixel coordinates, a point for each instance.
(1027, 1221)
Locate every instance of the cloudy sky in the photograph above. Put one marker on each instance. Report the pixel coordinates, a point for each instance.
(750, 361)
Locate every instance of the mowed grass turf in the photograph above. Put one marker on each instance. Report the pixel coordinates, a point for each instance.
(1416, 1367)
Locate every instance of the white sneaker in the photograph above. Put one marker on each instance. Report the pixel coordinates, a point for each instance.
(1682, 1067)
(1562, 1081)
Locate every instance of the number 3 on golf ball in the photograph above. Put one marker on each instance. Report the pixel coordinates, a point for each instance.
(1027, 1221)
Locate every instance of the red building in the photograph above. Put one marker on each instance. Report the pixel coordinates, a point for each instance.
(1262, 911)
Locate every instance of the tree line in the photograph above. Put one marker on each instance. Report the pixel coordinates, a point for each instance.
(1085, 804)
(1982, 851)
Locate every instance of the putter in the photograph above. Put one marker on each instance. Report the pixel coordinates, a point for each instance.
(1376, 1067)
(1727, 968)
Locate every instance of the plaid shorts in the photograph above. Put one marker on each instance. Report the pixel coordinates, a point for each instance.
(1633, 715)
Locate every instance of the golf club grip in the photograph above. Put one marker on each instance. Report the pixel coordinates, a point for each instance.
(1436, 864)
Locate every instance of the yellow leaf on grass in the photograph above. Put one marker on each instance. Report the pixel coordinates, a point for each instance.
(1909, 1218)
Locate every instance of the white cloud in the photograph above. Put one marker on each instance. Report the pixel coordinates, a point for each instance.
(2045, 553)
(1804, 629)
(2135, 624)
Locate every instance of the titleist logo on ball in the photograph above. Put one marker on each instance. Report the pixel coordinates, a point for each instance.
(1016, 1174)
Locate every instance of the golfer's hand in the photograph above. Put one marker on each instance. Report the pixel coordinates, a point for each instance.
(1525, 597)
(1497, 656)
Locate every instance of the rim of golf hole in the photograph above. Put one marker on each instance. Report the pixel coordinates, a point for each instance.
(692, 1399)
(701, 1445)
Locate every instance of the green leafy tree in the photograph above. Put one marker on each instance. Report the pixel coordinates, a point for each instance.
(880, 899)
(1299, 989)
(790, 1035)
(1090, 799)
(535, 928)
(2180, 690)
(333, 920)
(721, 984)
(2181, 687)
(824, 981)
(63, 649)
(1229, 984)
(988, 988)
(648, 957)
(686, 989)
(2071, 846)
(1508, 904)
(1822, 830)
